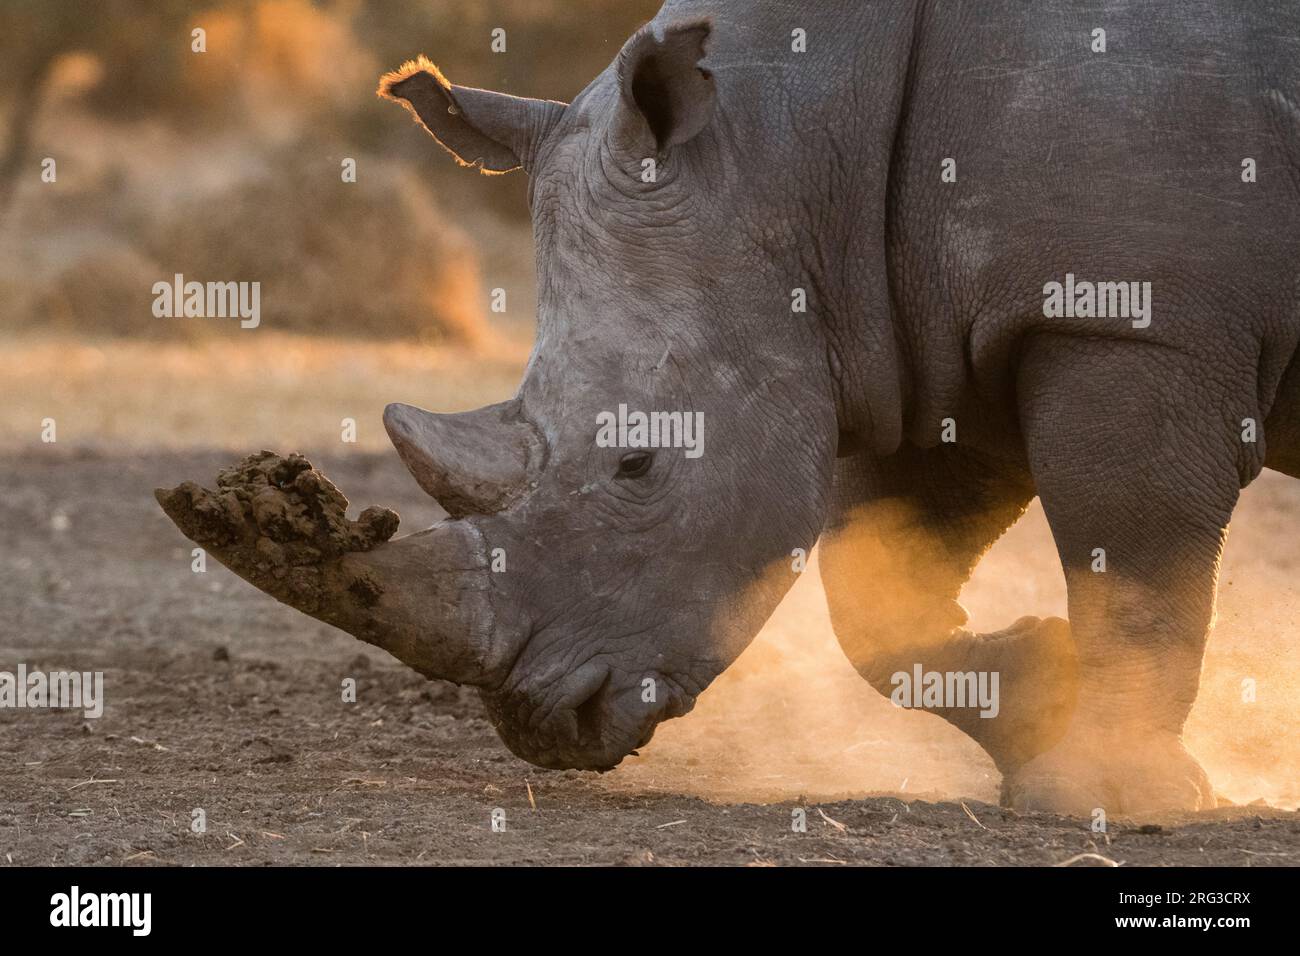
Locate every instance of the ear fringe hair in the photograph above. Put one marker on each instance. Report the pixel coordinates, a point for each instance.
(421, 66)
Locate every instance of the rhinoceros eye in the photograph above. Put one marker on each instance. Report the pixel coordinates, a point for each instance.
(634, 464)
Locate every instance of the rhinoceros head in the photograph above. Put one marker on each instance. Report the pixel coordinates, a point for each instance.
(620, 530)
(636, 562)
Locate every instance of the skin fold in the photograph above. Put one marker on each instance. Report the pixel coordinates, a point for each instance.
(917, 405)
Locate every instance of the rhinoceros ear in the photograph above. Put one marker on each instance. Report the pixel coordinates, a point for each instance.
(666, 96)
(494, 131)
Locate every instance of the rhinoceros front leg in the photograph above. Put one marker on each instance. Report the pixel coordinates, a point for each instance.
(907, 533)
(281, 525)
(1139, 461)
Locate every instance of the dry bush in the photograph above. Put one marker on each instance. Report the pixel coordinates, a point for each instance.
(233, 175)
(370, 258)
(373, 258)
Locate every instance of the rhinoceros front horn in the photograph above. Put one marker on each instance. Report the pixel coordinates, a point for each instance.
(282, 526)
(472, 463)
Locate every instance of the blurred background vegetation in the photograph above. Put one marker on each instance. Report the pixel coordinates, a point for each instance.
(225, 165)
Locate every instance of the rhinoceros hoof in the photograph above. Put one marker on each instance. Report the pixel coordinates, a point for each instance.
(1134, 776)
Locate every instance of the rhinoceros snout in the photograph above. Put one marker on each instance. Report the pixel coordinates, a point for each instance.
(590, 719)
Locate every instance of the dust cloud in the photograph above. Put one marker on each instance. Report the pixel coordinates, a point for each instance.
(791, 719)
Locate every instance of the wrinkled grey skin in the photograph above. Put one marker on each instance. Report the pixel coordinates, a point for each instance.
(664, 577)
(821, 171)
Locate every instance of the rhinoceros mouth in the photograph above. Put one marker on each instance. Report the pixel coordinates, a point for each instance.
(590, 721)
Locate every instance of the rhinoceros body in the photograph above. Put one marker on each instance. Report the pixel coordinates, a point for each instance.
(911, 264)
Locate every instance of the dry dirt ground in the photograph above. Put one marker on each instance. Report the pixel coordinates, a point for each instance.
(222, 700)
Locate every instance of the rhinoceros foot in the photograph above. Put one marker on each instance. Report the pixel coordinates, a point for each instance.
(1126, 777)
(1037, 669)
